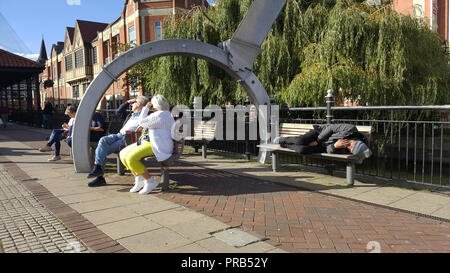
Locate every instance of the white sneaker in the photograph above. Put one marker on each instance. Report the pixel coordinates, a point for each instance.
(55, 158)
(45, 149)
(138, 184)
(150, 184)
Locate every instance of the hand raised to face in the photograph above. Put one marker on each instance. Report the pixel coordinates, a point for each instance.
(342, 144)
(314, 143)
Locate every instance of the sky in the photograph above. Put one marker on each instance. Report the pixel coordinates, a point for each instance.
(29, 20)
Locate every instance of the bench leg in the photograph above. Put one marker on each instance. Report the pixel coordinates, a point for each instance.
(350, 173)
(165, 178)
(275, 162)
(120, 166)
(204, 150)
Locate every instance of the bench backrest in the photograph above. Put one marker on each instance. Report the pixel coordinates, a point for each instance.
(297, 129)
(205, 130)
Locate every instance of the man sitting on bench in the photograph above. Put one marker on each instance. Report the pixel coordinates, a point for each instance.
(334, 138)
(116, 142)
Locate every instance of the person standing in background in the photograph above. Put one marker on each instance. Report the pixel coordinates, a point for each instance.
(4, 112)
(47, 115)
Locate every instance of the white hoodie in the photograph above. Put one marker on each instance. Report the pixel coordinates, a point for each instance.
(159, 124)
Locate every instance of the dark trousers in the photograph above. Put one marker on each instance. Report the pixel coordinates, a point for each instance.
(48, 121)
(300, 143)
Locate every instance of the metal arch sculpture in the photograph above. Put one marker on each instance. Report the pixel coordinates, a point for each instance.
(236, 56)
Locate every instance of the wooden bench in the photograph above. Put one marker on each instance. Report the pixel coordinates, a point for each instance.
(294, 129)
(203, 134)
(166, 164)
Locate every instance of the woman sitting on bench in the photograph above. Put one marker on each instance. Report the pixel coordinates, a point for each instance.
(155, 141)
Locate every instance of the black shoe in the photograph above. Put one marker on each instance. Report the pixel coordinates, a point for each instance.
(96, 172)
(99, 181)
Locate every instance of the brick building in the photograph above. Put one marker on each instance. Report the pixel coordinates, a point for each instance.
(88, 46)
(434, 12)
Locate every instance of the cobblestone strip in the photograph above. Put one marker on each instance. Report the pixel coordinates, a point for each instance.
(27, 226)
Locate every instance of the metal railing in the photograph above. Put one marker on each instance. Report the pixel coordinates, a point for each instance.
(409, 143)
(415, 149)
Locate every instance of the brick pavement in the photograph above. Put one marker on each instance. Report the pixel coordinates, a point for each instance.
(296, 220)
(303, 221)
(28, 226)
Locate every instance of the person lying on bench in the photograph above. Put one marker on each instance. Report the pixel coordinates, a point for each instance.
(113, 143)
(155, 141)
(334, 138)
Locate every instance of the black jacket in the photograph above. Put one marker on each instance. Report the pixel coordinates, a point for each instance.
(123, 113)
(48, 109)
(331, 133)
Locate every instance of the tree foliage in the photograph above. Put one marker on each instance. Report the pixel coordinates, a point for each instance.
(371, 54)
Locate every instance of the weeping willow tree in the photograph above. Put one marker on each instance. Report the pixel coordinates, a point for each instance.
(370, 54)
(373, 55)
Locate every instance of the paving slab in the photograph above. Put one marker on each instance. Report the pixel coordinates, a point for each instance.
(82, 197)
(110, 215)
(443, 212)
(198, 228)
(191, 248)
(236, 237)
(156, 241)
(174, 216)
(97, 205)
(152, 205)
(422, 202)
(129, 227)
(384, 195)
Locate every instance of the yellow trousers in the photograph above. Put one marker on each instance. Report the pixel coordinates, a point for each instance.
(132, 155)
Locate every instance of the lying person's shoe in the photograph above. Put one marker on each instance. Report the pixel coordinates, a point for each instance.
(150, 184)
(99, 181)
(46, 149)
(138, 184)
(96, 172)
(55, 158)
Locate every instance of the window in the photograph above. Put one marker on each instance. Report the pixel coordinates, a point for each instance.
(75, 91)
(59, 70)
(85, 87)
(158, 30)
(54, 71)
(56, 92)
(79, 59)
(94, 55)
(131, 35)
(106, 47)
(69, 64)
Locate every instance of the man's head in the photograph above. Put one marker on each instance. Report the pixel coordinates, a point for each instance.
(359, 148)
(140, 102)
